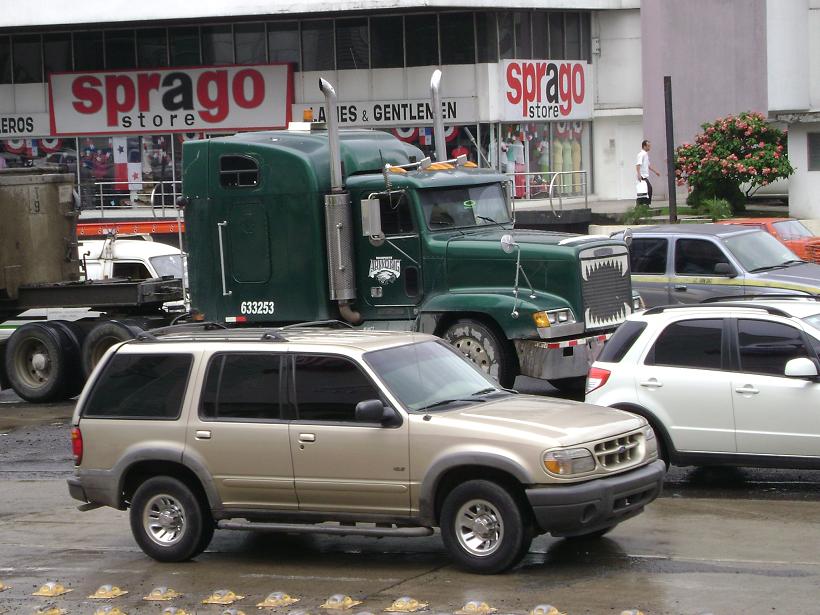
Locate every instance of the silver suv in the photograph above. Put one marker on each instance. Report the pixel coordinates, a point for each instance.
(346, 432)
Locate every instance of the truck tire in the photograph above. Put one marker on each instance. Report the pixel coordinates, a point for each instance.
(36, 363)
(104, 335)
(485, 347)
(168, 521)
(484, 528)
(72, 339)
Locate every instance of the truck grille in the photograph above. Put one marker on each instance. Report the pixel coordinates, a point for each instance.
(618, 452)
(606, 287)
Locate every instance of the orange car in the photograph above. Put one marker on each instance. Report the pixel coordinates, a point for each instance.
(792, 232)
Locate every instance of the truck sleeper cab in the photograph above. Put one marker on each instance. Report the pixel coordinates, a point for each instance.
(418, 247)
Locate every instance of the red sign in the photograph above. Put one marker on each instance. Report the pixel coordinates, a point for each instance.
(545, 90)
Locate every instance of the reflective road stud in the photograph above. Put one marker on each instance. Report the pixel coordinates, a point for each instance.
(276, 600)
(475, 607)
(105, 592)
(222, 596)
(340, 602)
(548, 609)
(161, 594)
(51, 589)
(406, 604)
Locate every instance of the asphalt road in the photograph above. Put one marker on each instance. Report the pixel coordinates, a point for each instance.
(722, 541)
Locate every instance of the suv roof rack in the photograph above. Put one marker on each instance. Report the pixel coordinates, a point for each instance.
(761, 297)
(318, 323)
(764, 308)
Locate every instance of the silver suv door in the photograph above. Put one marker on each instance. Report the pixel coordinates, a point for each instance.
(339, 464)
(239, 434)
(700, 272)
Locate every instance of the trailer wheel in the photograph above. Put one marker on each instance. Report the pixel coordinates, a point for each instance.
(104, 335)
(36, 363)
(484, 347)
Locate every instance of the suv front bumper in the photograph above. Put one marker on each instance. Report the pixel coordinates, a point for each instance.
(574, 510)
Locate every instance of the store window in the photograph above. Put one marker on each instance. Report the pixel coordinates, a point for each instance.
(586, 37)
(217, 45)
(540, 35)
(283, 42)
(5, 59)
(56, 52)
(457, 38)
(28, 59)
(317, 45)
(89, 53)
(152, 48)
(421, 36)
(523, 34)
(487, 37)
(120, 49)
(572, 31)
(557, 36)
(184, 46)
(387, 42)
(352, 45)
(250, 43)
(506, 36)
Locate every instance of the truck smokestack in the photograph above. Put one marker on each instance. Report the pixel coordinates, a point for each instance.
(438, 120)
(332, 135)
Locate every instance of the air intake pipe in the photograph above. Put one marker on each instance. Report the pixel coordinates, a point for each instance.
(338, 220)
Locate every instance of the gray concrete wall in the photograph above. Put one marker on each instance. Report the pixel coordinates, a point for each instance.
(715, 52)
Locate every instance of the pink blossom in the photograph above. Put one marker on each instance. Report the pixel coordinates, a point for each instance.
(776, 155)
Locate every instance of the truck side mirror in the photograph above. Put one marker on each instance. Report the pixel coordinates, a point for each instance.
(372, 220)
(801, 368)
(725, 269)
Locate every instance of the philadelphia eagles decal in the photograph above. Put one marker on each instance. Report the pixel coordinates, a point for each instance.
(385, 269)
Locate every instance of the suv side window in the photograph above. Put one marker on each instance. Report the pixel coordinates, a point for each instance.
(621, 341)
(648, 255)
(242, 386)
(765, 347)
(328, 388)
(696, 344)
(697, 257)
(140, 386)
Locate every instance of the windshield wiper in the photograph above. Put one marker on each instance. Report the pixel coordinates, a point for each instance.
(782, 265)
(444, 402)
(490, 220)
(485, 391)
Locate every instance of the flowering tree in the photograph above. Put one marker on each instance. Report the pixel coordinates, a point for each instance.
(731, 152)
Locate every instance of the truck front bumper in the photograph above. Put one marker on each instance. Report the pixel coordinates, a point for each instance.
(556, 359)
(577, 509)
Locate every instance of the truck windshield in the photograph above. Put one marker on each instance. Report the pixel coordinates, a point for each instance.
(464, 206)
(430, 375)
(760, 251)
(170, 264)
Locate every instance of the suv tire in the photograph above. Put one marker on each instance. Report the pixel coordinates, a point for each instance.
(482, 345)
(168, 521)
(485, 506)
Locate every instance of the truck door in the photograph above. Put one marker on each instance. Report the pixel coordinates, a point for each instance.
(389, 273)
(242, 238)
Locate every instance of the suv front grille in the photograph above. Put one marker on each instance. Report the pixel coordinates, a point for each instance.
(606, 289)
(618, 452)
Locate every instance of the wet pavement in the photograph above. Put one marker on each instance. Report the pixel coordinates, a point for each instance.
(720, 540)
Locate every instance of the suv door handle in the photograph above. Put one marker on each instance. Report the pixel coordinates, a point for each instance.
(307, 437)
(747, 389)
(652, 382)
(203, 434)
(681, 287)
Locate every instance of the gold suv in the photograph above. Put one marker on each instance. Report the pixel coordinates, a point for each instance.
(315, 429)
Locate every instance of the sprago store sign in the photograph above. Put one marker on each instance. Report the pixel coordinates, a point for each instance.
(201, 99)
(544, 90)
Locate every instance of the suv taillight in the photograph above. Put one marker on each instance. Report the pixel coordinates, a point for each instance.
(77, 445)
(596, 378)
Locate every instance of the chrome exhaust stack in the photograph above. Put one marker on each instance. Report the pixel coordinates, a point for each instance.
(438, 120)
(338, 220)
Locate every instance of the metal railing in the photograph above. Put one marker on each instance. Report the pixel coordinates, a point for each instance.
(553, 186)
(160, 199)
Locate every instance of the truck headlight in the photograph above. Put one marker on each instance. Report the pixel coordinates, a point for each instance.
(550, 318)
(569, 461)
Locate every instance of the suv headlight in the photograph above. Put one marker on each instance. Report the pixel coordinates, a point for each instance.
(569, 461)
(550, 318)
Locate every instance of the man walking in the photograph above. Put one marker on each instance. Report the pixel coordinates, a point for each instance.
(643, 166)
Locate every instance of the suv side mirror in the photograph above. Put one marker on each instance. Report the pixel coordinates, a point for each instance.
(801, 368)
(725, 269)
(374, 411)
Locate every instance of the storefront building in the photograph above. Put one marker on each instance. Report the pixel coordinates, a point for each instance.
(524, 89)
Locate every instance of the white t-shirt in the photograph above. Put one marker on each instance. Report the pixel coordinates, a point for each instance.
(643, 161)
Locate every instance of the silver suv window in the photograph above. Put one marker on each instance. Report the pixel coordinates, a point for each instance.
(766, 347)
(327, 388)
(242, 387)
(140, 386)
(695, 343)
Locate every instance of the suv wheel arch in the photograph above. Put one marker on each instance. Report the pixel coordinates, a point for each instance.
(140, 471)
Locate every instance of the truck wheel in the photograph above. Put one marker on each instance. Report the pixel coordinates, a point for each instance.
(168, 521)
(104, 335)
(484, 528)
(484, 347)
(72, 339)
(36, 363)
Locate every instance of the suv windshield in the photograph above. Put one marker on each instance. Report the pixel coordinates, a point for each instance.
(429, 374)
(758, 251)
(461, 207)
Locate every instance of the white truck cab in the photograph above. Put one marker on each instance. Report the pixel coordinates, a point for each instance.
(133, 259)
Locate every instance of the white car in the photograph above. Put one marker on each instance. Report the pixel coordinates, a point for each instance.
(732, 383)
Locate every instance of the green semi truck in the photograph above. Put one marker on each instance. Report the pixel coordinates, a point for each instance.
(315, 224)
